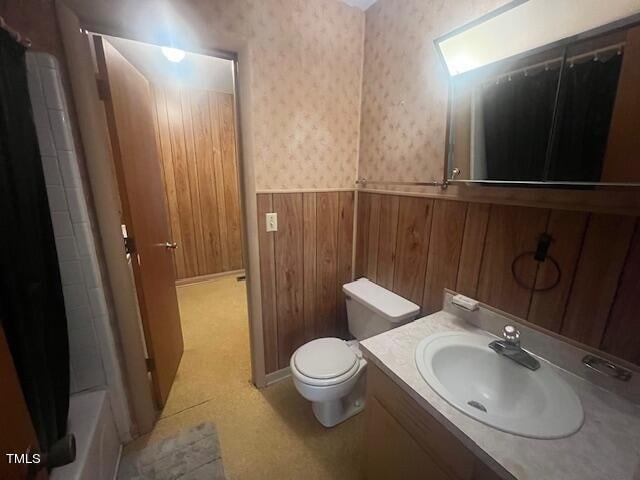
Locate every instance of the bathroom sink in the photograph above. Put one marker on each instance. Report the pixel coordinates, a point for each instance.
(497, 391)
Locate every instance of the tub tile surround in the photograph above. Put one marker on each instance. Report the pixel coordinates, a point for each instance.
(607, 445)
(92, 351)
(46, 99)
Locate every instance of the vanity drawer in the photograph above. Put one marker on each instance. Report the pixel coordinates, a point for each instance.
(409, 427)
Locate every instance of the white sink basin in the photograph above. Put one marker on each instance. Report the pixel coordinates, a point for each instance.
(497, 391)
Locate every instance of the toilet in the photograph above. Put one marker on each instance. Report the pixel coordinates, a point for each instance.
(330, 372)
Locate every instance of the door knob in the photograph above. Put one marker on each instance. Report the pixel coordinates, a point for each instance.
(171, 245)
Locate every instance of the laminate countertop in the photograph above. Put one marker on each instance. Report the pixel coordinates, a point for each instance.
(606, 447)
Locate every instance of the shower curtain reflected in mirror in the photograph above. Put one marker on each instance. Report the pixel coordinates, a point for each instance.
(590, 89)
(514, 126)
(512, 119)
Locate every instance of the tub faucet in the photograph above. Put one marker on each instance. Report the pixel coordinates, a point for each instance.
(510, 348)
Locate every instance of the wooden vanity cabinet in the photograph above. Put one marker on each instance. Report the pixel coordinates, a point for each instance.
(403, 441)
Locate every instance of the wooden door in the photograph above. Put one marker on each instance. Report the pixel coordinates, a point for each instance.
(129, 109)
(17, 435)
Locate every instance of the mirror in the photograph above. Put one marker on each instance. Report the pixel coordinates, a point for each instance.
(546, 92)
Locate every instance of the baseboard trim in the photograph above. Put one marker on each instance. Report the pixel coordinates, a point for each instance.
(278, 376)
(207, 278)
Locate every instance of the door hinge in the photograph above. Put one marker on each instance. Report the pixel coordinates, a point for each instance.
(129, 245)
(151, 365)
(103, 88)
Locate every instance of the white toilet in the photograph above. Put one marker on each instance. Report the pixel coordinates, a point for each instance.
(330, 371)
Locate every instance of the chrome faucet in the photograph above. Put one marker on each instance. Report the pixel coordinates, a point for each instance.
(510, 348)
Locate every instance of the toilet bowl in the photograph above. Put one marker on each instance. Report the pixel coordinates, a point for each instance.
(329, 371)
(326, 371)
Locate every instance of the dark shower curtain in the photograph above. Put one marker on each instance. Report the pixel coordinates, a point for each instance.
(517, 117)
(31, 304)
(585, 113)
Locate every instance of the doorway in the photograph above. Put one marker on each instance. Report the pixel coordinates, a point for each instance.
(192, 114)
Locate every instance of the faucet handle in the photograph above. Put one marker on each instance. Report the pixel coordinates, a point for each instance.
(511, 335)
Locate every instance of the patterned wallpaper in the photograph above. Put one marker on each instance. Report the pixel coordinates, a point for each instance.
(306, 76)
(306, 93)
(404, 94)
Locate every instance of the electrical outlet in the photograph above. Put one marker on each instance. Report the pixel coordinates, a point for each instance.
(272, 222)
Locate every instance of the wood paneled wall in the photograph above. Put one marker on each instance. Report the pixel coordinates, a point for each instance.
(417, 246)
(303, 267)
(196, 137)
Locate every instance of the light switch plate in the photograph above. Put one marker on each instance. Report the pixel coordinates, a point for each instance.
(272, 222)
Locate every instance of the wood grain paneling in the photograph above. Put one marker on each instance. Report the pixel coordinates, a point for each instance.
(196, 135)
(412, 244)
(447, 229)
(374, 235)
(622, 336)
(387, 235)
(268, 284)
(180, 162)
(168, 175)
(303, 267)
(204, 157)
(309, 236)
(475, 231)
(604, 251)
(194, 185)
(345, 256)
(624, 119)
(443, 243)
(327, 262)
(289, 262)
(214, 117)
(567, 230)
(362, 235)
(230, 178)
(470, 248)
(511, 231)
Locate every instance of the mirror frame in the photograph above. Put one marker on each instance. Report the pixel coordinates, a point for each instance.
(448, 178)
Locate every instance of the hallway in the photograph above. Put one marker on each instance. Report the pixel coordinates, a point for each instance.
(264, 434)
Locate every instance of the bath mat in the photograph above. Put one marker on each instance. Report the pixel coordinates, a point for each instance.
(193, 454)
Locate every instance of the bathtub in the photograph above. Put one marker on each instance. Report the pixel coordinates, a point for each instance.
(97, 444)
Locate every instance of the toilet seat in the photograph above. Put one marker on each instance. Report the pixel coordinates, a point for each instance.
(325, 362)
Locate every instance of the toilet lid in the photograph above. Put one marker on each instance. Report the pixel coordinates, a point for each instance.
(324, 358)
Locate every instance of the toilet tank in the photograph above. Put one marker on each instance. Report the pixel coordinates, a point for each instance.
(372, 309)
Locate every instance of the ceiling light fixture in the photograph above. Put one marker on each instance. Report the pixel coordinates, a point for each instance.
(173, 54)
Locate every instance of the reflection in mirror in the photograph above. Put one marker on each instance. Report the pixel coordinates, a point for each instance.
(564, 113)
(526, 25)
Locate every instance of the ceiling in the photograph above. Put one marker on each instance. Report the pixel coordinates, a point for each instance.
(361, 4)
(195, 70)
